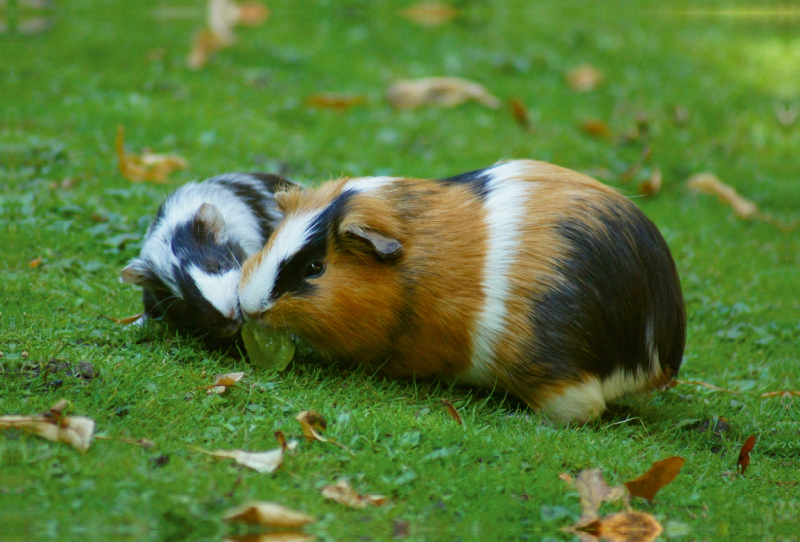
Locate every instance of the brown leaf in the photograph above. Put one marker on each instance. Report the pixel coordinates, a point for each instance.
(313, 424)
(273, 536)
(75, 430)
(339, 102)
(223, 382)
(147, 167)
(594, 491)
(34, 263)
(268, 514)
(453, 412)
(252, 14)
(520, 113)
(744, 455)
(204, 44)
(651, 186)
(596, 128)
(708, 183)
(439, 91)
(344, 494)
(262, 462)
(660, 474)
(629, 527)
(430, 14)
(566, 478)
(126, 321)
(585, 78)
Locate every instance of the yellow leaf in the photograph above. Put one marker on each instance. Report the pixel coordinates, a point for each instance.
(344, 494)
(268, 514)
(593, 491)
(223, 382)
(440, 91)
(127, 320)
(313, 424)
(261, 462)
(651, 186)
(585, 78)
(708, 183)
(430, 14)
(147, 167)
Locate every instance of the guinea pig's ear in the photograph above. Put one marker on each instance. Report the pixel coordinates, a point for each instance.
(134, 273)
(212, 220)
(384, 248)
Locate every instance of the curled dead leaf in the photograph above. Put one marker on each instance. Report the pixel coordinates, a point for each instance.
(708, 183)
(147, 167)
(651, 186)
(520, 113)
(596, 128)
(344, 494)
(263, 462)
(744, 455)
(594, 491)
(127, 320)
(313, 424)
(204, 44)
(627, 527)
(34, 263)
(223, 382)
(585, 78)
(453, 411)
(439, 91)
(54, 426)
(252, 14)
(430, 14)
(660, 474)
(268, 514)
(339, 102)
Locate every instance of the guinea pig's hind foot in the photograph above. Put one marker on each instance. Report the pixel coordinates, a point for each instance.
(577, 402)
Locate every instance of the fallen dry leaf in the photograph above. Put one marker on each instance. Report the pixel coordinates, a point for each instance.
(313, 424)
(585, 78)
(273, 536)
(780, 393)
(222, 17)
(440, 91)
(54, 426)
(708, 183)
(622, 527)
(594, 491)
(36, 262)
(744, 455)
(344, 494)
(147, 167)
(430, 14)
(127, 320)
(520, 113)
(268, 514)
(453, 412)
(566, 478)
(223, 382)
(339, 102)
(204, 44)
(651, 186)
(596, 128)
(252, 13)
(261, 462)
(660, 474)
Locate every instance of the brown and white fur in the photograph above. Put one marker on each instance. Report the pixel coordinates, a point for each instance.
(524, 277)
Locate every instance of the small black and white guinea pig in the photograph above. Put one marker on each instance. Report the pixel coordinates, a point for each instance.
(524, 277)
(190, 263)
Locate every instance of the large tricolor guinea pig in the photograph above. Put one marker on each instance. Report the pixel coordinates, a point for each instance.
(524, 277)
(190, 263)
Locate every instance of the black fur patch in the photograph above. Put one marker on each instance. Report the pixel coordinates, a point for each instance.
(291, 277)
(193, 243)
(254, 199)
(271, 182)
(616, 281)
(477, 181)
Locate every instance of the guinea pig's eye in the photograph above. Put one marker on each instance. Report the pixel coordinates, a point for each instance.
(314, 268)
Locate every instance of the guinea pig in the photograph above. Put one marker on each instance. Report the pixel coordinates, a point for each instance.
(523, 277)
(190, 263)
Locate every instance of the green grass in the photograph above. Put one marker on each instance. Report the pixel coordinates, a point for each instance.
(104, 63)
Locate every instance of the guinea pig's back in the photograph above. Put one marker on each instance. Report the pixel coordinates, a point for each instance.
(591, 301)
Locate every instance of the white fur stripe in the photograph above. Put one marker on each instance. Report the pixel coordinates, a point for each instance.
(505, 209)
(368, 184)
(578, 403)
(222, 290)
(254, 295)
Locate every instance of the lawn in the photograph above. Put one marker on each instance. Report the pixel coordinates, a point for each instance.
(707, 90)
